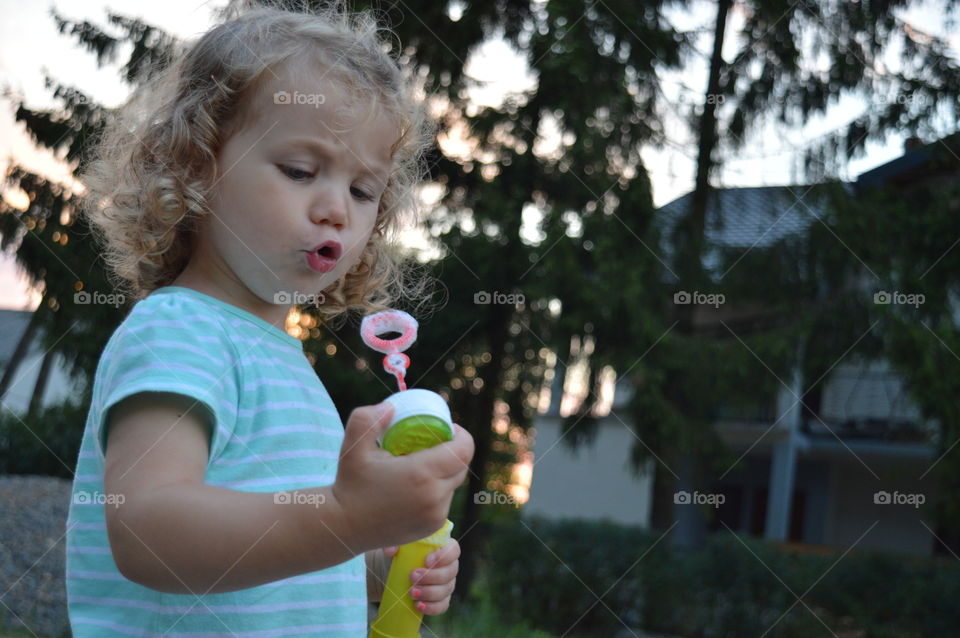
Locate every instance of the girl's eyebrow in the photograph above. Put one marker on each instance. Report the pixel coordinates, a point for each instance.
(324, 149)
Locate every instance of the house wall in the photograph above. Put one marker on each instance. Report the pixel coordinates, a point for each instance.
(744, 487)
(866, 390)
(593, 483)
(853, 511)
(59, 387)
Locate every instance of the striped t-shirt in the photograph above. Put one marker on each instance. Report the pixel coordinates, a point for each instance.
(275, 429)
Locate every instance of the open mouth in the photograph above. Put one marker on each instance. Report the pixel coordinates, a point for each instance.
(327, 251)
(323, 258)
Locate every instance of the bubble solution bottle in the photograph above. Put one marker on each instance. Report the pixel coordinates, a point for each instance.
(421, 419)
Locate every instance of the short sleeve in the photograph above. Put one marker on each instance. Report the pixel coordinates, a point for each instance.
(164, 345)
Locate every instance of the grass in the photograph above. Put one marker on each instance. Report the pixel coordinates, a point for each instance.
(471, 621)
(477, 618)
(23, 632)
(10, 627)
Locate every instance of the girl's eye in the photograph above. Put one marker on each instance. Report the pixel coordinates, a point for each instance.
(296, 174)
(359, 194)
(299, 175)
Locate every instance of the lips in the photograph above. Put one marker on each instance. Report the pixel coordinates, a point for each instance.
(323, 257)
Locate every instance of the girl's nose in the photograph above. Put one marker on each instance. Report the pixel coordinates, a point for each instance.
(329, 207)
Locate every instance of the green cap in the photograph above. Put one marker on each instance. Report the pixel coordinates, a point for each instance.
(421, 419)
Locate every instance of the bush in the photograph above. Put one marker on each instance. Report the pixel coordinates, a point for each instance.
(543, 573)
(731, 588)
(891, 596)
(45, 443)
(479, 617)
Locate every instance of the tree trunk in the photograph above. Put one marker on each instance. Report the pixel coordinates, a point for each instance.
(36, 401)
(664, 487)
(697, 215)
(946, 519)
(473, 530)
(689, 242)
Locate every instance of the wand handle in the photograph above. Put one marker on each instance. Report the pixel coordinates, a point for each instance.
(398, 616)
(421, 420)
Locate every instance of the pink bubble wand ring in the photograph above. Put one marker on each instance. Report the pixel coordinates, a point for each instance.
(395, 362)
(421, 419)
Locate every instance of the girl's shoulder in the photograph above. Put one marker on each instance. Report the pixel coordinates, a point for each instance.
(175, 315)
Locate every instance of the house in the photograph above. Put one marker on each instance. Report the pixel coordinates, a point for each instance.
(59, 385)
(853, 469)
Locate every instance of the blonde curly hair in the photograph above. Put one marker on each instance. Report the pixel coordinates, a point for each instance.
(154, 166)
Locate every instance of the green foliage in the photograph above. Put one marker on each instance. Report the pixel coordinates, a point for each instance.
(595, 256)
(773, 76)
(549, 573)
(480, 617)
(46, 442)
(11, 627)
(900, 237)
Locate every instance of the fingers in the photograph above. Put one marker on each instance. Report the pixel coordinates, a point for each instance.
(464, 444)
(450, 459)
(441, 565)
(433, 586)
(445, 555)
(436, 575)
(364, 425)
(433, 599)
(442, 557)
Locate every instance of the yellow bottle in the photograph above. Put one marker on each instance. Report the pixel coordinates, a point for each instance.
(421, 419)
(398, 616)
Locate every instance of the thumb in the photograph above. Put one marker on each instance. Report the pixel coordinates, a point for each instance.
(364, 425)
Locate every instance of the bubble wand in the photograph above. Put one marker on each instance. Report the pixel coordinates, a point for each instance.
(421, 419)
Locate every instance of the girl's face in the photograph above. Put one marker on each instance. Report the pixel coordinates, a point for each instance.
(300, 173)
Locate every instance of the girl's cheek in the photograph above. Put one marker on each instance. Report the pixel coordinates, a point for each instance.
(271, 203)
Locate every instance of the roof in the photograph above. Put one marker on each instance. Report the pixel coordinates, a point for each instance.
(745, 218)
(749, 216)
(905, 166)
(761, 216)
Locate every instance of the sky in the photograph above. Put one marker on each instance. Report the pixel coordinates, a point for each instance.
(31, 46)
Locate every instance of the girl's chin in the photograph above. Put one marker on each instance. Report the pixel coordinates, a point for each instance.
(324, 280)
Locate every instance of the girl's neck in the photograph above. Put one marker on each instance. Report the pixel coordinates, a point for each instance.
(235, 294)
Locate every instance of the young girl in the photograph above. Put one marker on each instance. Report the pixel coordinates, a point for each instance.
(217, 492)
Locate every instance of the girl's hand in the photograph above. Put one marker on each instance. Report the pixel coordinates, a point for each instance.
(433, 585)
(383, 499)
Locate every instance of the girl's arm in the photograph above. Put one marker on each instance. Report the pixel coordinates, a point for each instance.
(175, 534)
